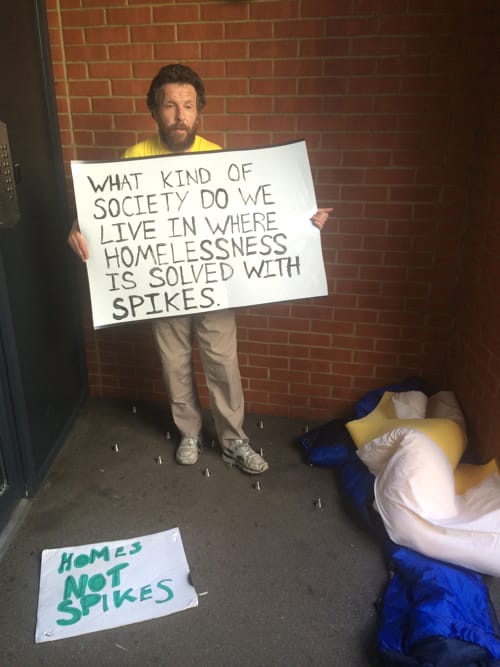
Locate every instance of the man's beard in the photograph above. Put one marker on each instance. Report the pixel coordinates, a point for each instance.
(175, 142)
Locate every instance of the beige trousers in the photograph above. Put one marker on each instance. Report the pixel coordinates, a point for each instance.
(216, 335)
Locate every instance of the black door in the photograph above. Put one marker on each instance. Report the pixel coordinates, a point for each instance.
(41, 363)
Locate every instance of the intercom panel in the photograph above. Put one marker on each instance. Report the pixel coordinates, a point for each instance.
(9, 207)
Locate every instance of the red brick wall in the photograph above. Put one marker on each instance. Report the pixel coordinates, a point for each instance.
(475, 372)
(380, 90)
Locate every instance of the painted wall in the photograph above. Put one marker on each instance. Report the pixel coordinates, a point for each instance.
(385, 94)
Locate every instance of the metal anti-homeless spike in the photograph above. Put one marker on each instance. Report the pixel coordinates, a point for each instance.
(318, 503)
(206, 472)
(261, 424)
(168, 435)
(115, 448)
(159, 460)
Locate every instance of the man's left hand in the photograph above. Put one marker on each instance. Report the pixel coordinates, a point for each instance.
(321, 216)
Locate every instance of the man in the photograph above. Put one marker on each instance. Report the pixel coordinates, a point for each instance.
(176, 98)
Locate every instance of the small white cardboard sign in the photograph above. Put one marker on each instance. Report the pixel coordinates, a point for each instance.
(186, 233)
(106, 585)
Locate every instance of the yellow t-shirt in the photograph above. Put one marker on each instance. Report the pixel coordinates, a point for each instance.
(154, 146)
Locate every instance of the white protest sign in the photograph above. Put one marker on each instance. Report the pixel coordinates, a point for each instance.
(192, 232)
(98, 586)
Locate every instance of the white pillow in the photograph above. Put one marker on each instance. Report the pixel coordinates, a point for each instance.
(410, 404)
(414, 494)
(444, 405)
(376, 453)
(418, 476)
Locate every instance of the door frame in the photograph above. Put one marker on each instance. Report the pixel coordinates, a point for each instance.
(10, 442)
(23, 473)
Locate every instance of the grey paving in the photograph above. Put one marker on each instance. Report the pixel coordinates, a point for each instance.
(286, 583)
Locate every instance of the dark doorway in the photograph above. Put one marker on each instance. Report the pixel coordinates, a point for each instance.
(41, 364)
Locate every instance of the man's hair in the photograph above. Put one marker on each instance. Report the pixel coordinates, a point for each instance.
(175, 73)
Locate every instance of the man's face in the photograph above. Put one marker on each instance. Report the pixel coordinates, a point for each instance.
(177, 116)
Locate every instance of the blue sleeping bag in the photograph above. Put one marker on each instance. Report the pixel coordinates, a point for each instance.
(432, 614)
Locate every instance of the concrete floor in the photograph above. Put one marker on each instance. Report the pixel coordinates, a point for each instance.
(287, 583)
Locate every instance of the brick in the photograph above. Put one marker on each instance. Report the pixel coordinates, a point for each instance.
(364, 193)
(106, 35)
(352, 25)
(83, 17)
(249, 30)
(405, 66)
(431, 6)
(73, 35)
(88, 88)
(415, 193)
(83, 138)
(119, 139)
(192, 32)
(92, 122)
(209, 70)
(357, 286)
(129, 16)
(244, 68)
(175, 13)
(109, 70)
(228, 87)
(319, 340)
(322, 123)
(249, 140)
(274, 86)
(151, 34)
(349, 104)
(376, 7)
(299, 29)
(86, 53)
(131, 52)
(284, 48)
(379, 45)
(250, 105)
(224, 12)
(136, 87)
(112, 105)
(225, 50)
(80, 105)
(333, 85)
(411, 24)
(174, 52)
(94, 3)
(325, 8)
(324, 48)
(265, 122)
(364, 85)
(296, 68)
(350, 66)
(274, 9)
(56, 45)
(76, 71)
(228, 123)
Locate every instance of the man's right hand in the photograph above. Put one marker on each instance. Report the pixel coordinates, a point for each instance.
(77, 242)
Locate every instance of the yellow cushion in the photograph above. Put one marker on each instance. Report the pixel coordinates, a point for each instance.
(468, 475)
(446, 433)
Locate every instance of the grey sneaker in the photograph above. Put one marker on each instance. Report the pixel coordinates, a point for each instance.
(188, 451)
(240, 453)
